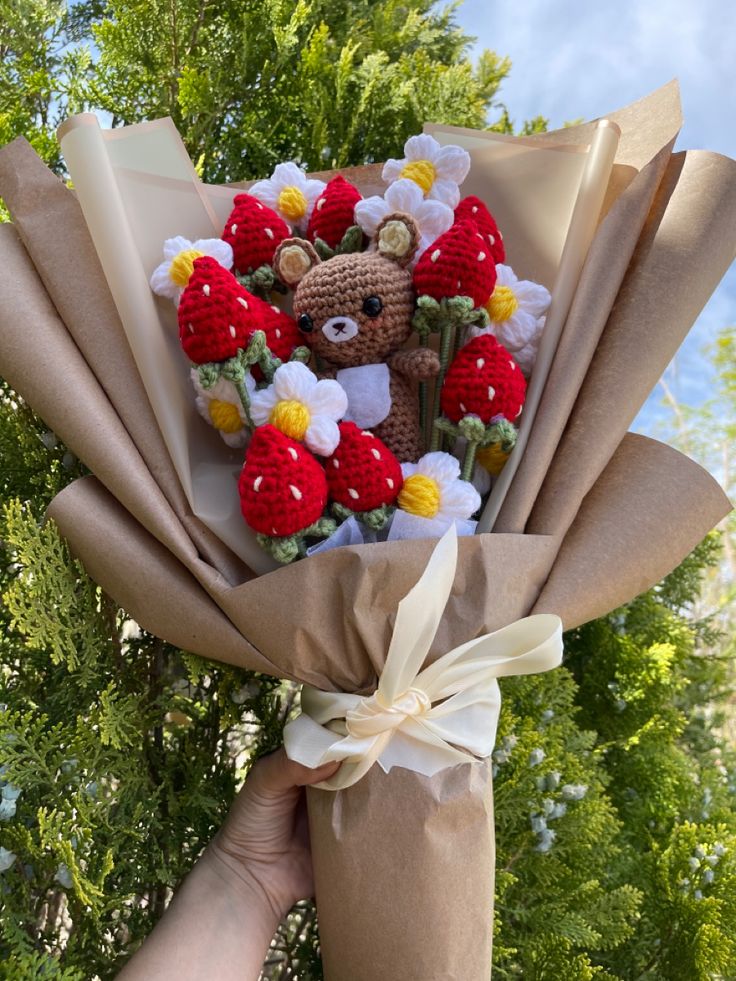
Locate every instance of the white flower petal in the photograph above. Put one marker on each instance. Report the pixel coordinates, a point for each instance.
(173, 246)
(161, 281)
(218, 249)
(294, 380)
(422, 147)
(392, 170)
(312, 190)
(266, 192)
(409, 469)
(261, 405)
(224, 391)
(442, 467)
(459, 499)
(533, 297)
(288, 174)
(452, 163)
(404, 195)
(235, 440)
(162, 284)
(322, 436)
(434, 218)
(517, 331)
(505, 275)
(526, 357)
(369, 212)
(445, 191)
(328, 398)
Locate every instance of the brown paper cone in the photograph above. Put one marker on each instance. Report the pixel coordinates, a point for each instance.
(51, 226)
(606, 526)
(644, 515)
(687, 245)
(145, 578)
(414, 857)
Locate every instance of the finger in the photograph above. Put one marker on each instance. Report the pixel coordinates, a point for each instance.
(276, 773)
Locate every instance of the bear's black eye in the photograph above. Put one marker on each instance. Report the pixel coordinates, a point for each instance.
(372, 306)
(305, 323)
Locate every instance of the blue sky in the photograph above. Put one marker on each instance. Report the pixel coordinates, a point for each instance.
(579, 58)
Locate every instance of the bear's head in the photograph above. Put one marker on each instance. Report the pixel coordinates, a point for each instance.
(354, 309)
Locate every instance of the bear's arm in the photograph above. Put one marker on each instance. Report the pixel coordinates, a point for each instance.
(419, 364)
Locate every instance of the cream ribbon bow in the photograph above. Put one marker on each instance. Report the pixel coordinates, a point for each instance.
(423, 720)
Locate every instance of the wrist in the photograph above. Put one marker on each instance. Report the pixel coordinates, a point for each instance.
(241, 880)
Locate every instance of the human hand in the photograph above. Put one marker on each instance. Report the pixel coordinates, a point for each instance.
(257, 866)
(264, 841)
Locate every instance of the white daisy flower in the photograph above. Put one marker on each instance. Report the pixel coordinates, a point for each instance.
(170, 278)
(290, 193)
(516, 309)
(438, 170)
(221, 407)
(432, 217)
(433, 488)
(302, 407)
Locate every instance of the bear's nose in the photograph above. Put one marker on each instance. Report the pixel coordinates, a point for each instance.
(338, 329)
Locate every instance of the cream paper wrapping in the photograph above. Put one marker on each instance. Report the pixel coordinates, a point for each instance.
(618, 517)
(137, 187)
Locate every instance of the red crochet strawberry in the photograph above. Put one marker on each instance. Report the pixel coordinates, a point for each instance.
(254, 231)
(282, 487)
(215, 313)
(333, 212)
(472, 208)
(485, 381)
(458, 263)
(362, 473)
(282, 333)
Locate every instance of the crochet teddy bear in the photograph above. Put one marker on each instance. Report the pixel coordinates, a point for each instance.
(355, 312)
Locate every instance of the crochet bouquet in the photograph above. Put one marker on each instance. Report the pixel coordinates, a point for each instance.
(331, 402)
(318, 345)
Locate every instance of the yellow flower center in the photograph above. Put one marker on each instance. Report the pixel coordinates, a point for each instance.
(291, 418)
(225, 416)
(492, 458)
(182, 266)
(422, 172)
(502, 304)
(292, 203)
(420, 495)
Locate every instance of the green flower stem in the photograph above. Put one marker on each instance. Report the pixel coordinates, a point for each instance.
(239, 383)
(460, 332)
(446, 333)
(469, 462)
(423, 342)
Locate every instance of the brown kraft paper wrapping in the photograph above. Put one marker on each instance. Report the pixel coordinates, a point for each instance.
(418, 854)
(429, 842)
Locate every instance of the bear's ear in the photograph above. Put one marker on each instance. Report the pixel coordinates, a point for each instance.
(397, 238)
(293, 258)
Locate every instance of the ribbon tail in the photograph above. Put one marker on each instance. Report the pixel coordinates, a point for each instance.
(416, 747)
(418, 617)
